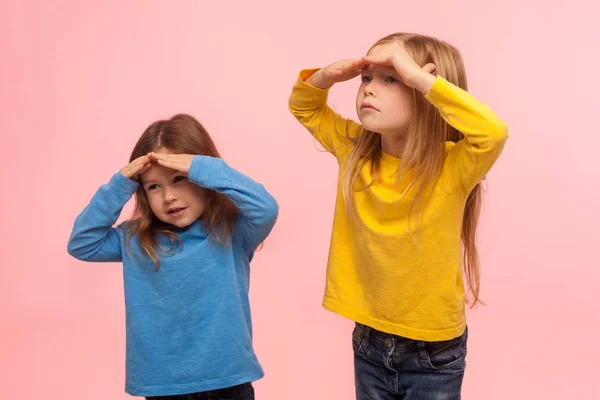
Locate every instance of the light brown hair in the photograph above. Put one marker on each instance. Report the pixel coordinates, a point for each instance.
(182, 134)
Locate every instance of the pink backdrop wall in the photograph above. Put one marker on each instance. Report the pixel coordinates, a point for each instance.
(79, 81)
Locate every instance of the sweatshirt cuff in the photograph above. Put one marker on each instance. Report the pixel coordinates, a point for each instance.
(438, 91)
(120, 181)
(306, 95)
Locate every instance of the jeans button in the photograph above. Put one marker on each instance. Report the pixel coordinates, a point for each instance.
(389, 343)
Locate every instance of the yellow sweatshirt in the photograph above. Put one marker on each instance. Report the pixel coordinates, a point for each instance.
(377, 274)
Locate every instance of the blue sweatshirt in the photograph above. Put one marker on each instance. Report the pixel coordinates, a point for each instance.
(188, 324)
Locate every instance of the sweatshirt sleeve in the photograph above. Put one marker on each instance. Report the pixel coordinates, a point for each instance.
(259, 210)
(484, 133)
(93, 237)
(309, 105)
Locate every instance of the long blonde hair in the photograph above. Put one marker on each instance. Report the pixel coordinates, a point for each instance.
(424, 149)
(182, 134)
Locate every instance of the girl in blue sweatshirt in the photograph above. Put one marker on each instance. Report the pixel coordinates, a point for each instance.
(186, 255)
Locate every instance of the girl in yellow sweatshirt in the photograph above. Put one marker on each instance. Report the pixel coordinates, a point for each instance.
(408, 202)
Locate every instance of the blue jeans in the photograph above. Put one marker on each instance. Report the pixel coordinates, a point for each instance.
(239, 392)
(390, 367)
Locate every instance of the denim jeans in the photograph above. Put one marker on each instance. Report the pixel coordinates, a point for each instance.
(239, 392)
(390, 367)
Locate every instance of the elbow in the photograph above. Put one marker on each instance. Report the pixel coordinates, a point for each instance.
(292, 107)
(496, 137)
(272, 211)
(499, 132)
(503, 132)
(77, 251)
(299, 109)
(74, 251)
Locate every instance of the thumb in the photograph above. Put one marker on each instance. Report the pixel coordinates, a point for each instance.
(429, 68)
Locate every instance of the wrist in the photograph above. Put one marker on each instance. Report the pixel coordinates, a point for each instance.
(422, 81)
(318, 80)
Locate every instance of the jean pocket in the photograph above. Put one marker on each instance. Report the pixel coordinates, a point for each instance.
(447, 354)
(359, 336)
(243, 391)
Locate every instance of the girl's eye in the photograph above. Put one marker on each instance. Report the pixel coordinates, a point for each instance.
(179, 178)
(366, 79)
(152, 187)
(391, 79)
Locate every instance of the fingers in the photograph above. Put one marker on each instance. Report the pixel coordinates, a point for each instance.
(164, 157)
(143, 159)
(144, 168)
(166, 163)
(140, 169)
(358, 64)
(137, 166)
(157, 156)
(177, 162)
(372, 60)
(166, 160)
(139, 163)
(354, 66)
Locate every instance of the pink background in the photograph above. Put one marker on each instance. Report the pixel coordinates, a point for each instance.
(79, 83)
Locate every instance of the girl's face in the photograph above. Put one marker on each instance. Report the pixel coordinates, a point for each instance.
(172, 197)
(384, 103)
